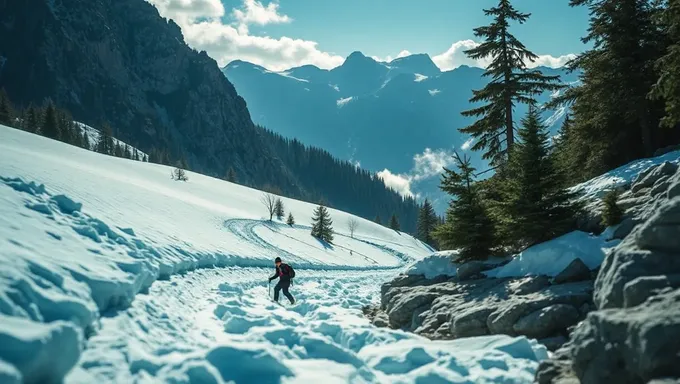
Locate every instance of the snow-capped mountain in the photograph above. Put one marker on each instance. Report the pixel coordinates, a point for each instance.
(380, 114)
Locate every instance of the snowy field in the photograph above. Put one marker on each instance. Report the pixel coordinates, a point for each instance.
(113, 272)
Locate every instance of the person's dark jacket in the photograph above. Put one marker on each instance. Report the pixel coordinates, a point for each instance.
(283, 273)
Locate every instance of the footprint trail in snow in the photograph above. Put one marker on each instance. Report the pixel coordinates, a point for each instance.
(219, 325)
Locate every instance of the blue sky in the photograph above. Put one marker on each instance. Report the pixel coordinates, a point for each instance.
(285, 33)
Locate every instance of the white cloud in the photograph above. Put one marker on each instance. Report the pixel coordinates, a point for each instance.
(203, 29)
(455, 56)
(399, 183)
(425, 166)
(257, 13)
(467, 144)
(389, 58)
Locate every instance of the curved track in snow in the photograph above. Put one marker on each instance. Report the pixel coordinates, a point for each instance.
(246, 229)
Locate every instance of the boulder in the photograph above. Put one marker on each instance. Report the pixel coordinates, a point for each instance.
(547, 321)
(577, 270)
(381, 320)
(527, 285)
(630, 345)
(647, 178)
(470, 270)
(661, 185)
(400, 310)
(638, 290)
(652, 249)
(471, 323)
(553, 343)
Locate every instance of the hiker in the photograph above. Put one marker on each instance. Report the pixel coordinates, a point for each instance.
(284, 273)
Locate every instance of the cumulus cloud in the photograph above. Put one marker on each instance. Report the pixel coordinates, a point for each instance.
(255, 12)
(426, 165)
(467, 144)
(455, 56)
(399, 183)
(204, 29)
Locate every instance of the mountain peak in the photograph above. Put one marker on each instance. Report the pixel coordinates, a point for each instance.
(417, 63)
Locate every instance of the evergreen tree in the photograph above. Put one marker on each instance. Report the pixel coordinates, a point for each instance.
(86, 140)
(537, 206)
(118, 149)
(33, 119)
(66, 128)
(231, 175)
(511, 82)
(468, 227)
(278, 209)
(612, 214)
(106, 144)
(377, 219)
(668, 86)
(50, 125)
(322, 225)
(291, 220)
(427, 221)
(615, 121)
(6, 114)
(394, 223)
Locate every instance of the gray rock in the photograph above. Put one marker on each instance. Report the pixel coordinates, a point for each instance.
(661, 185)
(547, 321)
(529, 285)
(649, 177)
(469, 270)
(577, 270)
(471, 323)
(400, 311)
(381, 320)
(662, 231)
(553, 343)
(503, 319)
(630, 345)
(652, 249)
(638, 290)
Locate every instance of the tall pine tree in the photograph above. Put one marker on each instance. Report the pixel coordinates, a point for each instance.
(668, 86)
(322, 225)
(427, 222)
(537, 207)
(615, 121)
(33, 120)
(394, 223)
(106, 144)
(50, 125)
(231, 175)
(278, 209)
(510, 82)
(468, 227)
(6, 114)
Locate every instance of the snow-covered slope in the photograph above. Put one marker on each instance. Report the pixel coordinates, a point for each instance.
(94, 135)
(108, 275)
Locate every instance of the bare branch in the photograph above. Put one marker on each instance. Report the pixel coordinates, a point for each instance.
(352, 225)
(269, 202)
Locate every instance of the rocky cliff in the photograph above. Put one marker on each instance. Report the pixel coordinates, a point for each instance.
(118, 61)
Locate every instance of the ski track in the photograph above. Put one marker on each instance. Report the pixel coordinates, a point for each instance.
(210, 326)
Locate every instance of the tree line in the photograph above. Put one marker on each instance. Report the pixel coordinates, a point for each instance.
(624, 107)
(57, 123)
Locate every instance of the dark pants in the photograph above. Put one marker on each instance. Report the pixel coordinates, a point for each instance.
(283, 285)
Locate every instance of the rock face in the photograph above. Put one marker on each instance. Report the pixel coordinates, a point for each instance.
(634, 335)
(118, 61)
(577, 270)
(453, 309)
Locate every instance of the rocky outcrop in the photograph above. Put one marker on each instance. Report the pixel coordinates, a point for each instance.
(530, 306)
(634, 335)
